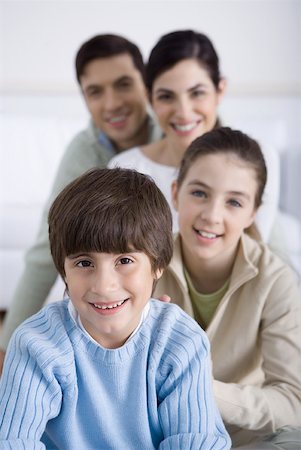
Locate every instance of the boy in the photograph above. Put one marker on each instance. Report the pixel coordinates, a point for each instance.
(110, 368)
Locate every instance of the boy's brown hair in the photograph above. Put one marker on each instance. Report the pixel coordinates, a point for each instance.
(111, 211)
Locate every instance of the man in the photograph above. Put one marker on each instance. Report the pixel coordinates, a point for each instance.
(110, 72)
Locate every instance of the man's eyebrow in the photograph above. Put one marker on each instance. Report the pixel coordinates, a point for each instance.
(122, 79)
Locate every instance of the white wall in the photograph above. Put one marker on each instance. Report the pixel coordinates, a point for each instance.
(257, 40)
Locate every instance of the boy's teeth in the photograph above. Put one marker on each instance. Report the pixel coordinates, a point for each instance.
(187, 127)
(109, 307)
(207, 235)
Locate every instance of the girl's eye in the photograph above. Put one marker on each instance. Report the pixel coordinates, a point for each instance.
(84, 263)
(235, 203)
(199, 194)
(125, 261)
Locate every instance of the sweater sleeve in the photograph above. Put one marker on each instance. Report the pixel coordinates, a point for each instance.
(278, 401)
(39, 275)
(187, 411)
(29, 396)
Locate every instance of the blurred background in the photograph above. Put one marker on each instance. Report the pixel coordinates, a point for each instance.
(41, 108)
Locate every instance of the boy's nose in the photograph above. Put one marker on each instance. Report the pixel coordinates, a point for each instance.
(104, 281)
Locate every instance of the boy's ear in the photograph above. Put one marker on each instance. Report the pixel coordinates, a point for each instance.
(174, 194)
(158, 274)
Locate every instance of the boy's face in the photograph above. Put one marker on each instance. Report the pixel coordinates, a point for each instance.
(109, 291)
(116, 97)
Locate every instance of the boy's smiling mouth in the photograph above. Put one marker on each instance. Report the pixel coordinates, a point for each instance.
(111, 306)
(108, 308)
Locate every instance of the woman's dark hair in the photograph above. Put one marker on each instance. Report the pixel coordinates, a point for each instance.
(226, 140)
(111, 211)
(177, 46)
(105, 46)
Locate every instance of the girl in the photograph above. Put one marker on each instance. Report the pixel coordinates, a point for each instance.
(185, 88)
(242, 294)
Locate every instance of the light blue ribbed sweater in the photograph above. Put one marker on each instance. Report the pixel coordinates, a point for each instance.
(61, 390)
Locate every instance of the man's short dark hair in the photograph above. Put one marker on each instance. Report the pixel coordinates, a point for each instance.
(111, 211)
(106, 46)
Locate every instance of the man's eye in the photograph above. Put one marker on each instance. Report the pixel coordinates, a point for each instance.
(125, 85)
(93, 94)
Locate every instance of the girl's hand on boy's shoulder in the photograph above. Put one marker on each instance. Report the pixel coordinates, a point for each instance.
(164, 298)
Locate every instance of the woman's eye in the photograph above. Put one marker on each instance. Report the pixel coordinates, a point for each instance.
(125, 261)
(198, 93)
(84, 263)
(164, 97)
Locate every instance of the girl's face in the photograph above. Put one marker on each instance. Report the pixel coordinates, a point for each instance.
(215, 204)
(185, 102)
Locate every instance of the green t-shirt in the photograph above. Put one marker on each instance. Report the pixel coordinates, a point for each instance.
(204, 305)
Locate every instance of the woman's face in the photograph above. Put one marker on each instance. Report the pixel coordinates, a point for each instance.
(185, 102)
(215, 203)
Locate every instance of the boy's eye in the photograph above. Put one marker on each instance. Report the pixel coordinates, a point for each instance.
(84, 263)
(125, 261)
(235, 203)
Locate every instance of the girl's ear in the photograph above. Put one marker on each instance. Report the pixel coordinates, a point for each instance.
(174, 194)
(252, 219)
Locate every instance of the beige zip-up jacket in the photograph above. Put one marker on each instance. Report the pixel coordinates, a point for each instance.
(255, 337)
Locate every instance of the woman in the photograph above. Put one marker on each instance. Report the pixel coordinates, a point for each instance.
(242, 294)
(185, 88)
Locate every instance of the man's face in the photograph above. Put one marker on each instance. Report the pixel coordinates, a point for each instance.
(116, 97)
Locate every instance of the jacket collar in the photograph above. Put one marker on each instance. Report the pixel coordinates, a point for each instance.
(244, 269)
